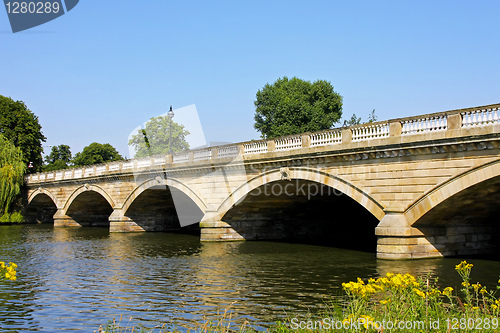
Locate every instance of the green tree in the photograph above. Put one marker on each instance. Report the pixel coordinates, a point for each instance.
(372, 117)
(353, 121)
(58, 159)
(154, 139)
(12, 170)
(292, 106)
(96, 153)
(19, 125)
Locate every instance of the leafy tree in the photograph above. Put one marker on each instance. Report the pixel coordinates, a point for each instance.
(372, 117)
(19, 125)
(154, 139)
(58, 159)
(357, 121)
(292, 106)
(12, 170)
(353, 121)
(96, 153)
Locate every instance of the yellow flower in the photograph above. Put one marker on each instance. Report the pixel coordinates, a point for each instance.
(434, 291)
(494, 307)
(385, 301)
(347, 320)
(463, 266)
(447, 291)
(368, 322)
(419, 292)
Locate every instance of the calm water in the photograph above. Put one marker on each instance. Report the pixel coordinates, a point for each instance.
(75, 279)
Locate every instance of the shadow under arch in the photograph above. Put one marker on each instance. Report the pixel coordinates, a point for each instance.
(42, 191)
(310, 207)
(159, 204)
(89, 205)
(449, 188)
(41, 207)
(164, 182)
(87, 188)
(314, 175)
(459, 217)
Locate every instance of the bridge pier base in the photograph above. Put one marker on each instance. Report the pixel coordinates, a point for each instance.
(63, 220)
(120, 223)
(397, 240)
(215, 230)
(218, 231)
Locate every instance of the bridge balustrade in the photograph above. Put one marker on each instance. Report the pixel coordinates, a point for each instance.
(181, 157)
(202, 154)
(227, 151)
(255, 147)
(326, 138)
(288, 143)
(369, 132)
(422, 125)
(480, 117)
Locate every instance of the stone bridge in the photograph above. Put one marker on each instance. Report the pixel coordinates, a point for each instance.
(416, 187)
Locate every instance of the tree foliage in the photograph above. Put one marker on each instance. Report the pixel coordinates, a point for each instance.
(354, 120)
(96, 153)
(12, 170)
(292, 106)
(154, 139)
(58, 159)
(19, 125)
(372, 117)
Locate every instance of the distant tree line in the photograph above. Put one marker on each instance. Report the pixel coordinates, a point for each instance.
(60, 157)
(21, 140)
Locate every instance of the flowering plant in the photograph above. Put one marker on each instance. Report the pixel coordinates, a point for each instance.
(8, 272)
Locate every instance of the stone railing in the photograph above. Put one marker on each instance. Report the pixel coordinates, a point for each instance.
(255, 147)
(325, 138)
(422, 125)
(370, 131)
(288, 143)
(403, 127)
(481, 116)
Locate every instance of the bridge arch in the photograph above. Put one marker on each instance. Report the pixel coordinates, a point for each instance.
(42, 190)
(308, 174)
(87, 188)
(451, 187)
(41, 207)
(164, 182)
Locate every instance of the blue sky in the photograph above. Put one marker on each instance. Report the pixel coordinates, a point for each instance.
(106, 67)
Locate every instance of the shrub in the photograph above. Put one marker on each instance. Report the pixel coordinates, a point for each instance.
(15, 217)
